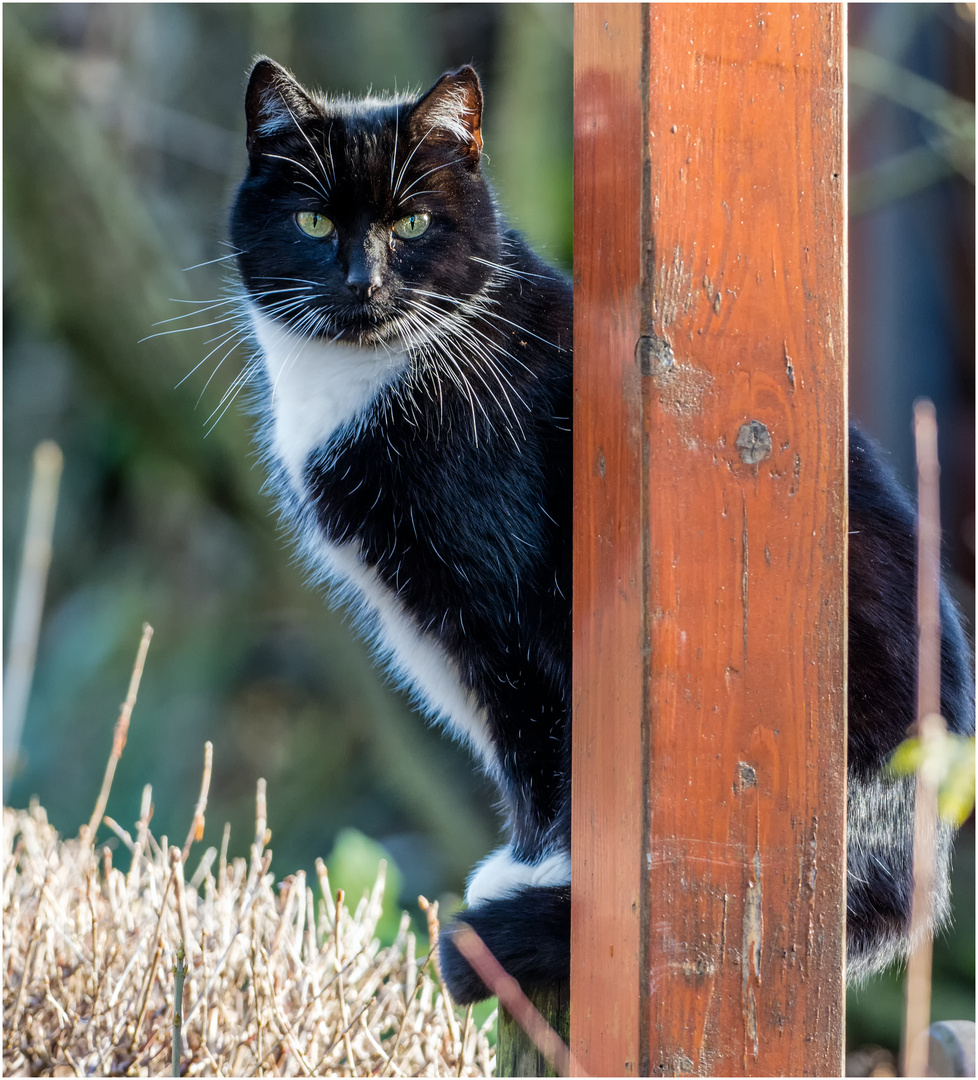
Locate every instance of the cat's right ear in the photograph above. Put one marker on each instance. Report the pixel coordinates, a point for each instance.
(274, 101)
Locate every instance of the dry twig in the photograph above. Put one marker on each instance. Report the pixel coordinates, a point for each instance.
(25, 623)
(332, 999)
(931, 730)
(197, 825)
(119, 736)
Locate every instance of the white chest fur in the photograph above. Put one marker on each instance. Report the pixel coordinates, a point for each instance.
(317, 387)
(316, 390)
(416, 660)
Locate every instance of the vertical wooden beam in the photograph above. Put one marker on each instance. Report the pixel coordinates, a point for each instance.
(611, 676)
(748, 437)
(710, 336)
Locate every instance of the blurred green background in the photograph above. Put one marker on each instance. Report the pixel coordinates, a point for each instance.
(123, 139)
(123, 132)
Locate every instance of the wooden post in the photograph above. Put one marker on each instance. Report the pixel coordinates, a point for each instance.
(710, 523)
(516, 1054)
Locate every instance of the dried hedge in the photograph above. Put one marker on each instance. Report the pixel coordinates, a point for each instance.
(276, 984)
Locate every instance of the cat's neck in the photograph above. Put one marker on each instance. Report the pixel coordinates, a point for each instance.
(317, 388)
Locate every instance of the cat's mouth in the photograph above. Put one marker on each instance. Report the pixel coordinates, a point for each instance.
(361, 330)
(361, 323)
(366, 323)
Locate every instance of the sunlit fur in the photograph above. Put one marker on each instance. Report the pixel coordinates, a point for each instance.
(414, 400)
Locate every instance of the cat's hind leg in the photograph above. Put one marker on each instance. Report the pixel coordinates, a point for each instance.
(521, 910)
(528, 932)
(502, 874)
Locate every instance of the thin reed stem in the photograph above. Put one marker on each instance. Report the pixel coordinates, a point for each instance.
(119, 736)
(179, 974)
(25, 623)
(931, 730)
(197, 825)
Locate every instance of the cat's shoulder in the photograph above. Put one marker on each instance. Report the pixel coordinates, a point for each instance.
(516, 253)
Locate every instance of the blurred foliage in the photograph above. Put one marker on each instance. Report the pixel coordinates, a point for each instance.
(948, 145)
(123, 138)
(353, 866)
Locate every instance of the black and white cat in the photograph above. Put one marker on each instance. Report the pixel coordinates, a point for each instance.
(414, 375)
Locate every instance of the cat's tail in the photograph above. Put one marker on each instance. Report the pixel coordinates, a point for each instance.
(528, 933)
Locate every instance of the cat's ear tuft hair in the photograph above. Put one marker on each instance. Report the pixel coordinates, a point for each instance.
(451, 112)
(274, 101)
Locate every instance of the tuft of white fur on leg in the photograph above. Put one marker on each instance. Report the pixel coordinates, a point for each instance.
(501, 875)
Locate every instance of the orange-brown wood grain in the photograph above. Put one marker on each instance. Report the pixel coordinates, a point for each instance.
(709, 785)
(609, 683)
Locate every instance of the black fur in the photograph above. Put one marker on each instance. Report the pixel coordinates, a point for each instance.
(538, 958)
(454, 481)
(882, 706)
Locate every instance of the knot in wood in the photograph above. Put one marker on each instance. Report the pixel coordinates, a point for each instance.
(753, 442)
(654, 355)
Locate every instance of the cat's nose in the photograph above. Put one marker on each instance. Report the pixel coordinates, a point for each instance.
(363, 286)
(363, 276)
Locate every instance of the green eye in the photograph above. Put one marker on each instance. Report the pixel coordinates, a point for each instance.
(313, 224)
(412, 226)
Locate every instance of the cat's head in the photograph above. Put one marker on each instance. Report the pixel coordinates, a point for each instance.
(363, 220)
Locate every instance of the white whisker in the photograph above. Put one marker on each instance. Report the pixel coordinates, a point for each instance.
(319, 160)
(210, 262)
(400, 175)
(319, 189)
(510, 271)
(433, 169)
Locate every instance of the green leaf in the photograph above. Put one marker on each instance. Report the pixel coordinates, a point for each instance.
(353, 866)
(951, 761)
(956, 795)
(907, 757)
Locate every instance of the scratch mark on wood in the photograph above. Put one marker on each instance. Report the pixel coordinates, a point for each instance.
(723, 930)
(744, 578)
(814, 848)
(753, 932)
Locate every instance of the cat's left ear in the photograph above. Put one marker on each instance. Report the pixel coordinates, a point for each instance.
(451, 111)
